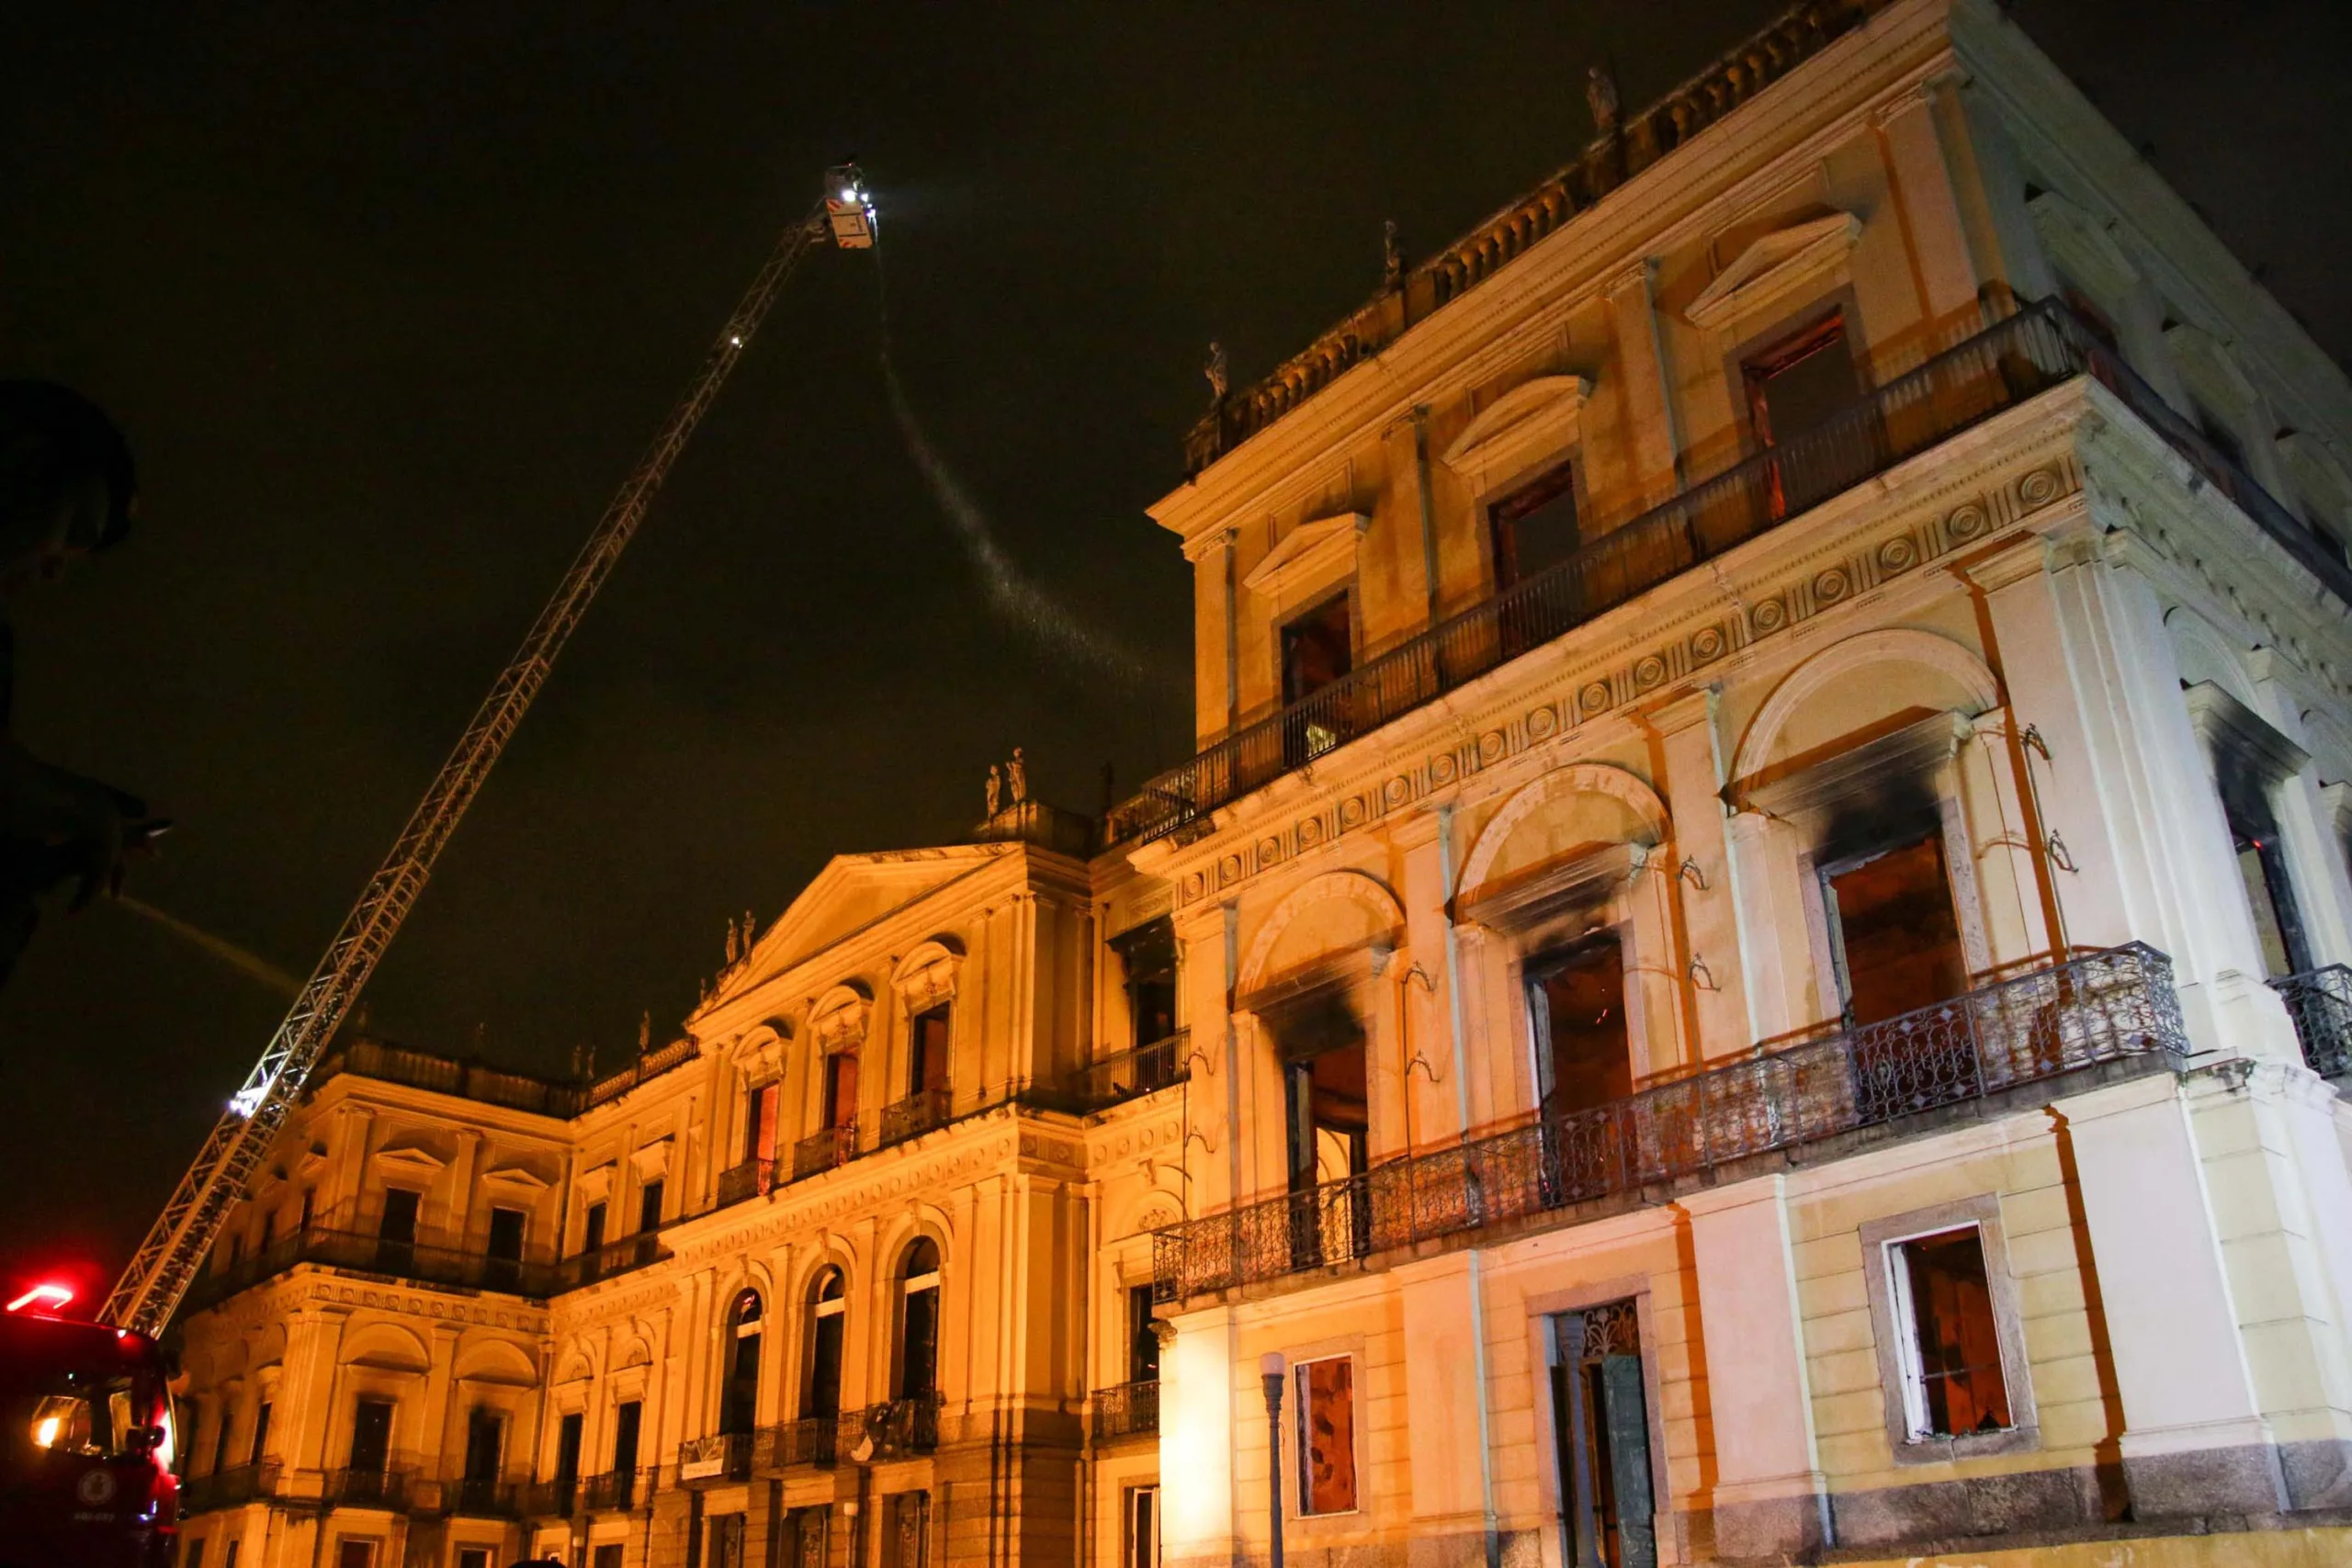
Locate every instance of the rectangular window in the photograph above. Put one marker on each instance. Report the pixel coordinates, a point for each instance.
(2262, 866)
(473, 1557)
(726, 1541)
(229, 1558)
(626, 1416)
(1326, 1393)
(1534, 526)
(220, 1438)
(611, 1556)
(194, 1556)
(260, 1450)
(1953, 1384)
(649, 1205)
(927, 1050)
(841, 1090)
(1894, 934)
(396, 1249)
(567, 1451)
(1139, 1514)
(1800, 380)
(759, 1124)
(507, 1227)
(1317, 649)
(268, 1229)
(310, 1199)
(485, 1435)
(1143, 1345)
(592, 1228)
(807, 1545)
(907, 1524)
(371, 1436)
(1602, 1438)
(1576, 1006)
(1793, 387)
(350, 1554)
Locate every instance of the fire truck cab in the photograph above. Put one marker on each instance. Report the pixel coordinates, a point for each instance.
(86, 1447)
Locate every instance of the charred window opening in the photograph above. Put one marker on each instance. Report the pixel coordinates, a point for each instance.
(2269, 895)
(1794, 386)
(1535, 527)
(592, 1227)
(2251, 758)
(649, 1205)
(1147, 955)
(1602, 1438)
(485, 1445)
(1143, 1340)
(760, 1123)
(841, 1090)
(1318, 650)
(1953, 1384)
(1576, 1008)
(567, 1455)
(740, 1397)
(827, 1318)
(1326, 1404)
(1310, 1015)
(372, 1436)
(927, 1050)
(919, 1324)
(1894, 934)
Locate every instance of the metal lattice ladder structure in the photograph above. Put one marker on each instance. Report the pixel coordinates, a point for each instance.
(167, 1261)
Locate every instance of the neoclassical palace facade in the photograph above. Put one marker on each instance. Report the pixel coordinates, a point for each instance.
(1751, 966)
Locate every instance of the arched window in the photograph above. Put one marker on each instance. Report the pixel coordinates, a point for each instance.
(828, 1316)
(919, 1323)
(739, 1402)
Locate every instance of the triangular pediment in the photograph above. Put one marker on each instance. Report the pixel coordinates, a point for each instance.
(1535, 420)
(412, 1159)
(1772, 267)
(1314, 549)
(851, 893)
(517, 1177)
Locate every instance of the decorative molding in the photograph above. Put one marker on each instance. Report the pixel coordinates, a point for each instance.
(837, 1021)
(650, 1161)
(1542, 714)
(1607, 779)
(1867, 651)
(1774, 266)
(926, 976)
(1318, 550)
(1529, 427)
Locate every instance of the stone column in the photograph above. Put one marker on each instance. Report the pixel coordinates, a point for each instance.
(1445, 1394)
(2307, 823)
(2086, 662)
(2194, 1442)
(2281, 1201)
(1653, 441)
(1771, 938)
(1199, 1506)
(1929, 210)
(1688, 749)
(1769, 1497)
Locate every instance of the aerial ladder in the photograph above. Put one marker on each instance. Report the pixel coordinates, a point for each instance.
(167, 1261)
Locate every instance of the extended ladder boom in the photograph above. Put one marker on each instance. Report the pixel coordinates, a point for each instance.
(166, 1263)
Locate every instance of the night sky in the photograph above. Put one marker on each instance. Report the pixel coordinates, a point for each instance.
(388, 308)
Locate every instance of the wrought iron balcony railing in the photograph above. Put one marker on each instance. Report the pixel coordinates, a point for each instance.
(916, 1114)
(366, 1487)
(1127, 1410)
(2320, 1001)
(721, 1456)
(2100, 1007)
(228, 1488)
(556, 1499)
(449, 1075)
(749, 1179)
(483, 1497)
(637, 1251)
(832, 1147)
(369, 1254)
(896, 1428)
(618, 1491)
(813, 1440)
(1999, 368)
(1117, 1079)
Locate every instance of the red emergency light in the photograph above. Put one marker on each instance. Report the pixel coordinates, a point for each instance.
(45, 1299)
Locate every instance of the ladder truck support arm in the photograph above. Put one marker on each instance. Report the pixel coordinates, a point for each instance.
(167, 1261)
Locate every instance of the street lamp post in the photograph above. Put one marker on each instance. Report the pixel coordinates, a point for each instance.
(1272, 1372)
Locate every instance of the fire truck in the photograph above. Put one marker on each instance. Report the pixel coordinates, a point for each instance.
(86, 1442)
